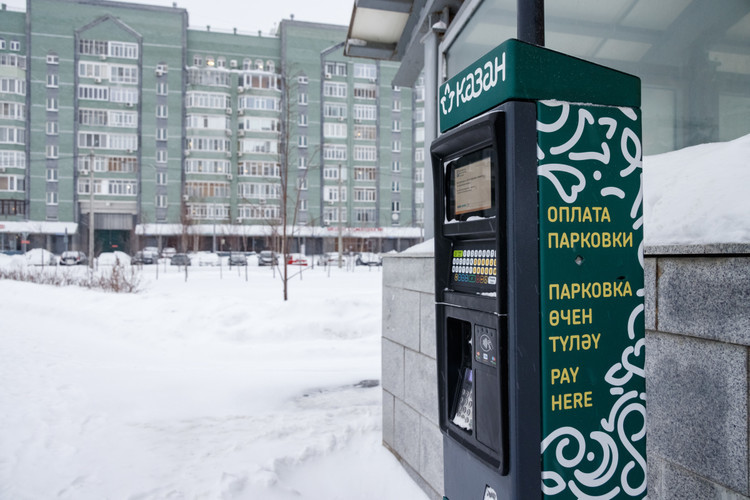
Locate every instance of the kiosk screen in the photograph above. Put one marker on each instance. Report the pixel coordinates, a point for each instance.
(470, 185)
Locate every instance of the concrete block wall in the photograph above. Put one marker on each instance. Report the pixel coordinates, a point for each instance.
(697, 368)
(410, 407)
(697, 352)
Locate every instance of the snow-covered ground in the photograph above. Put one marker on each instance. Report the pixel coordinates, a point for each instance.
(698, 195)
(210, 388)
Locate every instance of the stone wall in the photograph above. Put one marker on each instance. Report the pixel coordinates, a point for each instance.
(697, 368)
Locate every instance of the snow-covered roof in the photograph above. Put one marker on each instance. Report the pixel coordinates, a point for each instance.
(38, 227)
(266, 230)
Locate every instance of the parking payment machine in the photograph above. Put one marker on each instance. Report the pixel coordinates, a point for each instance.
(539, 279)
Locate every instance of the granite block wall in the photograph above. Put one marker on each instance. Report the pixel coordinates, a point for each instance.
(697, 367)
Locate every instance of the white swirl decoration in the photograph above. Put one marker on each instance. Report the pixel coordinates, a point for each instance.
(607, 463)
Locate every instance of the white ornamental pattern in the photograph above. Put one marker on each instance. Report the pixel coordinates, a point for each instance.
(572, 449)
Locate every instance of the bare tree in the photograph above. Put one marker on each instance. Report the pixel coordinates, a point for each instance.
(292, 183)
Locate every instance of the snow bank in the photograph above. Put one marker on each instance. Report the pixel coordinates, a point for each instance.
(698, 195)
(212, 388)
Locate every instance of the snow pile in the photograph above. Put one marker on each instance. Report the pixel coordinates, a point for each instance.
(212, 388)
(698, 195)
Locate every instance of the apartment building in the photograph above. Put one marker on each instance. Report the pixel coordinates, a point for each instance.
(120, 116)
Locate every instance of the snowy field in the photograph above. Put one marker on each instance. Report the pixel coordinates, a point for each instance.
(212, 388)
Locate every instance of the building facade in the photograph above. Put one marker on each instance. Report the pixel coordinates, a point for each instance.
(199, 139)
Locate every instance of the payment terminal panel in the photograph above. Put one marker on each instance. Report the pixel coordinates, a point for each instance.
(471, 288)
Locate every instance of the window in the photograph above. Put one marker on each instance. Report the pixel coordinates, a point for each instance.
(161, 201)
(211, 100)
(395, 206)
(365, 214)
(123, 50)
(396, 126)
(52, 128)
(334, 152)
(302, 80)
(12, 135)
(302, 183)
(364, 194)
(162, 88)
(419, 154)
(396, 105)
(259, 103)
(419, 175)
(15, 45)
(365, 153)
(334, 214)
(419, 134)
(334, 193)
(94, 117)
(419, 196)
(365, 71)
(364, 173)
(302, 98)
(365, 91)
(12, 183)
(334, 110)
(221, 62)
(52, 104)
(396, 146)
(302, 141)
(395, 187)
(123, 74)
(53, 59)
(129, 96)
(2, 43)
(161, 134)
(162, 111)
(334, 130)
(302, 162)
(262, 146)
(197, 60)
(200, 166)
(52, 174)
(51, 198)
(161, 156)
(395, 166)
(12, 110)
(365, 112)
(200, 189)
(365, 132)
(52, 80)
(161, 178)
(302, 120)
(208, 144)
(93, 93)
(334, 89)
(332, 173)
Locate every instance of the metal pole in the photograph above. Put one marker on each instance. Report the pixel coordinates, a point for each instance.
(91, 209)
(341, 228)
(530, 21)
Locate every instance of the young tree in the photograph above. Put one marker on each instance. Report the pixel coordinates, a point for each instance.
(292, 183)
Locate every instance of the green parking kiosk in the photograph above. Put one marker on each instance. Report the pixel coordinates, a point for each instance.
(539, 279)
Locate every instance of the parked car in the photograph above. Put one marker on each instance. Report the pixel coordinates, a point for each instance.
(168, 252)
(267, 258)
(180, 259)
(143, 257)
(207, 259)
(296, 259)
(40, 257)
(369, 259)
(115, 258)
(237, 259)
(73, 258)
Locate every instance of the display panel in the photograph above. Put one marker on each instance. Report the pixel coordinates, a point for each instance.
(470, 186)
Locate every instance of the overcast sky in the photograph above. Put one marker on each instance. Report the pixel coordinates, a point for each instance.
(249, 16)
